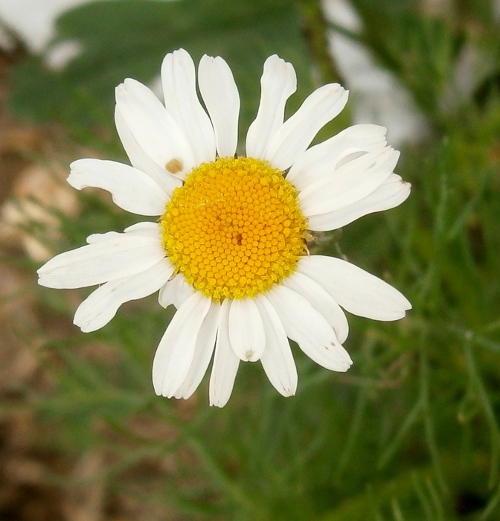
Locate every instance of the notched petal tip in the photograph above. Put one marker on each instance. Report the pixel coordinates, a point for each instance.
(207, 59)
(342, 368)
(157, 387)
(179, 54)
(218, 403)
(121, 89)
(287, 392)
(43, 281)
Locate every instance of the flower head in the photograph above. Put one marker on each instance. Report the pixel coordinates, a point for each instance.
(229, 246)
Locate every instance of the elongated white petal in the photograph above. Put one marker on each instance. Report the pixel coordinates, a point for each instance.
(278, 83)
(141, 160)
(309, 329)
(220, 94)
(175, 291)
(322, 160)
(154, 128)
(101, 306)
(130, 188)
(277, 359)
(226, 362)
(205, 344)
(246, 330)
(179, 87)
(291, 140)
(175, 352)
(354, 289)
(352, 181)
(321, 301)
(101, 261)
(391, 193)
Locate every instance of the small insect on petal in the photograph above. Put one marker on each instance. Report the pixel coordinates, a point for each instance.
(174, 166)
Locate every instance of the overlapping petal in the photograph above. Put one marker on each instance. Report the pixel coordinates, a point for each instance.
(309, 329)
(181, 100)
(225, 364)
(205, 344)
(356, 290)
(130, 188)
(351, 182)
(176, 291)
(291, 139)
(146, 229)
(177, 347)
(101, 306)
(154, 128)
(140, 160)
(391, 193)
(121, 256)
(277, 359)
(320, 300)
(321, 160)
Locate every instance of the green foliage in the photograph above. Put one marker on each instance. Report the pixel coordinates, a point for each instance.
(411, 431)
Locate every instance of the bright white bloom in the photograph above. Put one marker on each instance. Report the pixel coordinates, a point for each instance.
(229, 248)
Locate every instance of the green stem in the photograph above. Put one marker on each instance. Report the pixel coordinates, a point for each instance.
(315, 30)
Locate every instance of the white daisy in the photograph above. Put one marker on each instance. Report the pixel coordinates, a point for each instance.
(229, 248)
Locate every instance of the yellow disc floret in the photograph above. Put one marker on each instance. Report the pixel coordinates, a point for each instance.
(235, 228)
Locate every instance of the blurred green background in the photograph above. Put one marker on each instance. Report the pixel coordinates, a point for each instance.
(411, 432)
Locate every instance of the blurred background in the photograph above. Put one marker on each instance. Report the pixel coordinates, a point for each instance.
(411, 432)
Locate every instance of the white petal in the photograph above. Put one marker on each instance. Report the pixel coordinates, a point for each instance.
(278, 83)
(205, 344)
(320, 300)
(351, 182)
(246, 330)
(391, 193)
(296, 134)
(226, 362)
(141, 160)
(154, 128)
(101, 306)
(130, 188)
(309, 329)
(120, 256)
(175, 291)
(354, 289)
(277, 359)
(321, 160)
(175, 352)
(179, 88)
(220, 94)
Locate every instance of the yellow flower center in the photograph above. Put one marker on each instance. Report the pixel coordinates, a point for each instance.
(235, 228)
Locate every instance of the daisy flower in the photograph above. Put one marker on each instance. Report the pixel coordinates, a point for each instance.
(228, 248)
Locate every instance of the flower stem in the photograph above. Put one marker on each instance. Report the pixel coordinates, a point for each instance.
(315, 31)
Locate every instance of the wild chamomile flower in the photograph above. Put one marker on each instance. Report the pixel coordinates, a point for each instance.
(228, 249)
